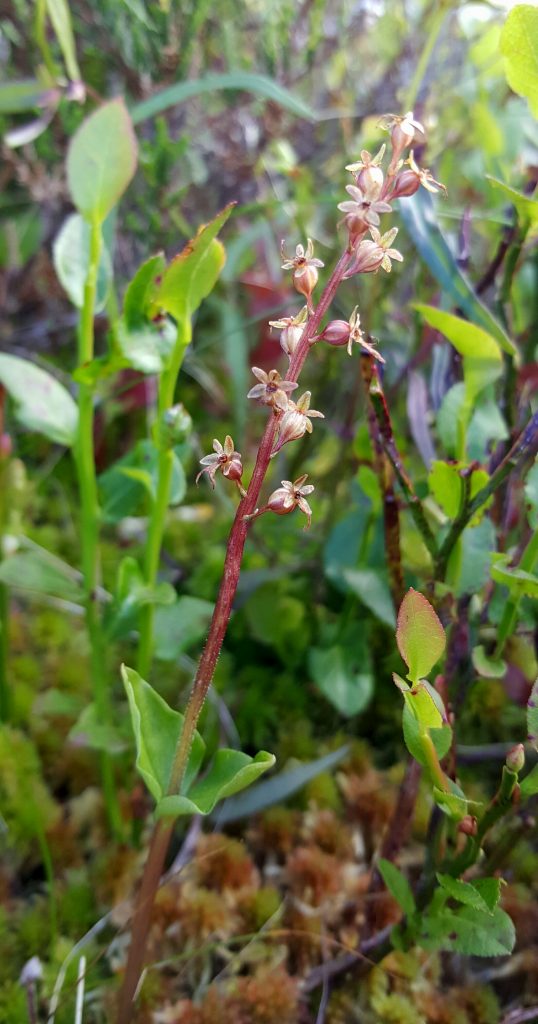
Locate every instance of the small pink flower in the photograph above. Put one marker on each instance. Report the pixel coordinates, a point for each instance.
(367, 171)
(305, 268)
(296, 421)
(365, 206)
(224, 459)
(371, 254)
(292, 328)
(290, 496)
(271, 390)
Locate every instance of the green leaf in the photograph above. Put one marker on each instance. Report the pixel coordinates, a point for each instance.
(398, 886)
(61, 22)
(71, 257)
(41, 402)
(490, 668)
(259, 85)
(279, 788)
(453, 804)
(420, 636)
(123, 492)
(133, 593)
(526, 206)
(472, 894)
(529, 785)
(369, 585)
(157, 729)
(517, 580)
(230, 772)
(101, 160)
(441, 738)
(421, 223)
(147, 348)
(41, 573)
(452, 411)
(91, 732)
(193, 274)
(482, 359)
(477, 544)
(469, 931)
(16, 97)
(342, 682)
(532, 716)
(140, 294)
(446, 485)
(519, 47)
(179, 626)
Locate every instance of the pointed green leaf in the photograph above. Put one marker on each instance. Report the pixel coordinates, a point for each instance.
(452, 804)
(419, 635)
(489, 667)
(441, 738)
(483, 895)
(482, 359)
(517, 580)
(469, 931)
(157, 729)
(140, 293)
(60, 17)
(193, 274)
(230, 772)
(529, 786)
(101, 160)
(526, 206)
(41, 573)
(398, 886)
(41, 402)
(519, 47)
(90, 731)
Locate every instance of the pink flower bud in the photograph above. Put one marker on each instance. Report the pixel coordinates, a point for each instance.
(370, 178)
(290, 338)
(468, 825)
(336, 333)
(281, 501)
(406, 184)
(515, 758)
(305, 280)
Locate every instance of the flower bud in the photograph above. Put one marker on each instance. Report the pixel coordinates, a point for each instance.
(305, 280)
(174, 427)
(233, 470)
(406, 184)
(515, 758)
(290, 338)
(370, 178)
(336, 333)
(280, 501)
(468, 825)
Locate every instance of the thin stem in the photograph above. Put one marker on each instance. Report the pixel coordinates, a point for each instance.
(49, 875)
(204, 675)
(525, 447)
(90, 516)
(159, 507)
(385, 476)
(379, 405)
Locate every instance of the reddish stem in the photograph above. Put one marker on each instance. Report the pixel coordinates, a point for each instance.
(219, 623)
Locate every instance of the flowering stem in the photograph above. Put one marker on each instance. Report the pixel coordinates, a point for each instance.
(204, 675)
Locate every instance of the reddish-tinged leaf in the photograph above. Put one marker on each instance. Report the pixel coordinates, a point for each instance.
(419, 635)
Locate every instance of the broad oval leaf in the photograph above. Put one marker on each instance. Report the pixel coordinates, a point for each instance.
(191, 275)
(347, 688)
(157, 728)
(71, 256)
(141, 290)
(41, 402)
(230, 772)
(101, 160)
(519, 47)
(420, 636)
